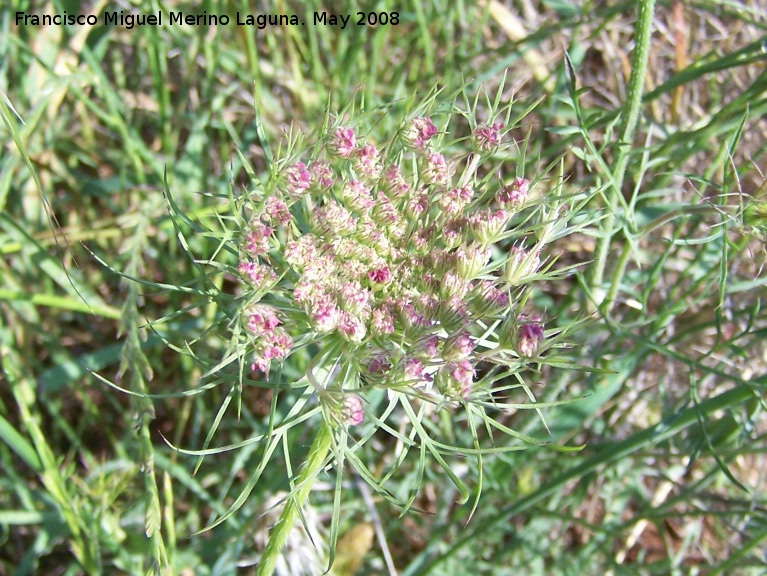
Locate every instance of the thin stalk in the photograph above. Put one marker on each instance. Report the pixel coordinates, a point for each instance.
(617, 275)
(642, 38)
(290, 514)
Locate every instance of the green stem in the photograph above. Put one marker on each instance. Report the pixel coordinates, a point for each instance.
(290, 514)
(642, 38)
(617, 275)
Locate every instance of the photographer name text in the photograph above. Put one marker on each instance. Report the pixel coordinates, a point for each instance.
(130, 20)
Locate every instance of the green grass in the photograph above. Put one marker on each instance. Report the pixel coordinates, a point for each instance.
(120, 148)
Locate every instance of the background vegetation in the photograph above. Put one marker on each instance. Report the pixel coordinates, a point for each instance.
(98, 120)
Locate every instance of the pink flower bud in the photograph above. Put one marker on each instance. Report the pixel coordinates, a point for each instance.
(515, 194)
(357, 196)
(258, 274)
(413, 369)
(261, 365)
(530, 335)
(408, 315)
(488, 226)
(454, 200)
(355, 298)
(275, 345)
(419, 132)
(384, 212)
(417, 204)
(282, 341)
(463, 372)
(278, 347)
(458, 346)
(392, 184)
(428, 303)
(351, 327)
(276, 211)
(321, 176)
(298, 179)
(421, 240)
(382, 321)
(455, 379)
(488, 300)
(453, 314)
(454, 232)
(471, 260)
(452, 285)
(262, 320)
(299, 253)
(257, 241)
(324, 313)
(436, 170)
(367, 161)
(334, 220)
(380, 275)
(343, 143)
(488, 137)
(379, 364)
(520, 265)
(353, 411)
(429, 346)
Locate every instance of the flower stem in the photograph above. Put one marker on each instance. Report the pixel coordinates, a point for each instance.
(279, 536)
(642, 38)
(629, 120)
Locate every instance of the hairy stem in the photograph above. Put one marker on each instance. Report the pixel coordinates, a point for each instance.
(290, 514)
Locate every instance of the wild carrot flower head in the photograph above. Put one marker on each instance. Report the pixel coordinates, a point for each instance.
(395, 262)
(453, 201)
(403, 263)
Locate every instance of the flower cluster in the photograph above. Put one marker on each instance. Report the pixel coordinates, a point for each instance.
(272, 341)
(384, 252)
